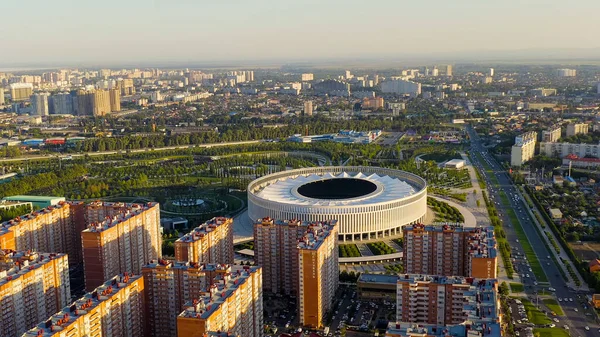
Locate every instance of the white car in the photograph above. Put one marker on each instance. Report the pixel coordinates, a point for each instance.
(560, 299)
(570, 299)
(587, 328)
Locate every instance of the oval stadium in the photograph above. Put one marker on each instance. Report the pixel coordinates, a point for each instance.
(368, 202)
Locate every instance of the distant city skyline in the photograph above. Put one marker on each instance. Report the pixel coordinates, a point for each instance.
(136, 32)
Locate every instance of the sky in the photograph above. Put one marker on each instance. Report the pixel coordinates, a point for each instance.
(41, 32)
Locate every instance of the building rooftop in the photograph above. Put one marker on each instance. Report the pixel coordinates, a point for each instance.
(6, 225)
(127, 212)
(169, 264)
(470, 329)
(14, 264)
(223, 287)
(315, 234)
(482, 242)
(204, 229)
(68, 315)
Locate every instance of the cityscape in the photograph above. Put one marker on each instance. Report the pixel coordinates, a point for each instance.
(289, 169)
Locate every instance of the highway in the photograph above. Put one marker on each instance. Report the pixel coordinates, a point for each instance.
(101, 153)
(574, 310)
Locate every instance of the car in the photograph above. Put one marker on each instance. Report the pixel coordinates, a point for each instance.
(576, 310)
(566, 327)
(552, 325)
(570, 299)
(560, 299)
(556, 320)
(587, 328)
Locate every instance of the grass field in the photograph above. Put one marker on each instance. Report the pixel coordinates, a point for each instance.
(553, 305)
(550, 332)
(534, 315)
(586, 250)
(516, 287)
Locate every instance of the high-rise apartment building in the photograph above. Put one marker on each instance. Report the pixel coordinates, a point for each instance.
(33, 286)
(2, 95)
(211, 242)
(450, 250)
(52, 229)
(445, 300)
(100, 102)
(39, 104)
(125, 240)
(307, 77)
(565, 149)
(298, 259)
(551, 135)
(566, 72)
(116, 308)
(126, 86)
(543, 92)
(308, 108)
(62, 103)
(524, 148)
(449, 70)
(233, 303)
(85, 103)
(319, 273)
(249, 75)
(399, 86)
(491, 72)
(577, 128)
(115, 99)
(20, 91)
(170, 285)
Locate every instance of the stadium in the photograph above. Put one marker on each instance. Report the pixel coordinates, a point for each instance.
(368, 202)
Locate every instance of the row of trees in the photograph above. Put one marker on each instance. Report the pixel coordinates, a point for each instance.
(503, 245)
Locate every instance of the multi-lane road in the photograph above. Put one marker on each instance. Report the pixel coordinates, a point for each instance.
(575, 318)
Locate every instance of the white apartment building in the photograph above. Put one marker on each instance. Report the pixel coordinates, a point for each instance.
(552, 135)
(524, 148)
(577, 128)
(564, 149)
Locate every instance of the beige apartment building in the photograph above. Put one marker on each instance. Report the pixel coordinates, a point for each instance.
(211, 242)
(233, 303)
(577, 128)
(169, 286)
(524, 148)
(552, 135)
(115, 99)
(450, 250)
(33, 286)
(299, 259)
(116, 308)
(125, 240)
(55, 228)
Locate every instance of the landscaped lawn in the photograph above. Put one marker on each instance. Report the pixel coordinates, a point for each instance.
(553, 305)
(516, 287)
(534, 315)
(551, 332)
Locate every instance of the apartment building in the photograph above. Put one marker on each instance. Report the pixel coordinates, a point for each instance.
(55, 228)
(524, 148)
(126, 86)
(116, 308)
(297, 257)
(211, 242)
(552, 135)
(446, 300)
(562, 150)
(20, 91)
(32, 287)
(169, 286)
(115, 99)
(318, 273)
(577, 128)
(124, 241)
(233, 303)
(450, 250)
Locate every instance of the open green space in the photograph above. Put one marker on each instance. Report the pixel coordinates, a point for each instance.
(550, 332)
(441, 156)
(534, 315)
(380, 248)
(444, 212)
(349, 250)
(517, 287)
(553, 305)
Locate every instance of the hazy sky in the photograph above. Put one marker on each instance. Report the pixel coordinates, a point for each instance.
(143, 31)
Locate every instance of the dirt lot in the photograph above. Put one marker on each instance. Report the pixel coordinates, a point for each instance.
(586, 250)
